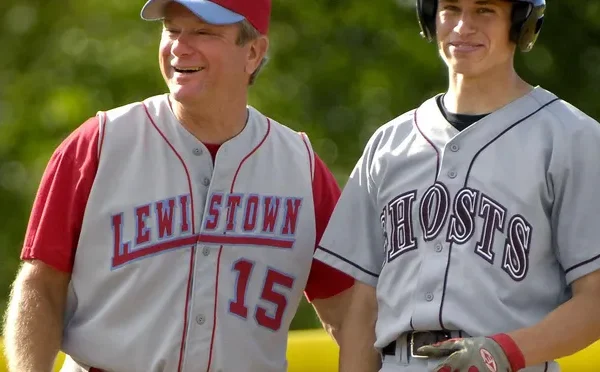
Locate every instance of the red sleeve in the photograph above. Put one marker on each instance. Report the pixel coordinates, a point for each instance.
(324, 281)
(55, 221)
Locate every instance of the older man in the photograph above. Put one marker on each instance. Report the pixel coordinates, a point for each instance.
(177, 233)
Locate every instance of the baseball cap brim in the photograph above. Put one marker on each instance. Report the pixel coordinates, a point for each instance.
(207, 10)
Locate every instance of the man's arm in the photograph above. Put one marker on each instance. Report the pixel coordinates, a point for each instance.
(33, 324)
(357, 334)
(327, 288)
(571, 327)
(331, 312)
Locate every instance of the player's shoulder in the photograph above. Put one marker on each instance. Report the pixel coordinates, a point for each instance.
(567, 117)
(395, 129)
(151, 104)
(282, 134)
(80, 143)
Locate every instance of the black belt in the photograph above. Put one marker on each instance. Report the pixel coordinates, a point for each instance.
(416, 339)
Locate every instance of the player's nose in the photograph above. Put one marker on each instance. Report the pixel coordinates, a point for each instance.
(465, 24)
(180, 46)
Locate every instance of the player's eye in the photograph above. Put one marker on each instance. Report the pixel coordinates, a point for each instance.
(451, 8)
(485, 10)
(202, 32)
(170, 31)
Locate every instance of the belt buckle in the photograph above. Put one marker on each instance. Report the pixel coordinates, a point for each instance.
(413, 354)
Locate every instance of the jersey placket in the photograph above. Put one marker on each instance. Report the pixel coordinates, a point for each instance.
(200, 311)
(436, 251)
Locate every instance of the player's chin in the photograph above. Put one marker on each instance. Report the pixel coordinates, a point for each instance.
(183, 93)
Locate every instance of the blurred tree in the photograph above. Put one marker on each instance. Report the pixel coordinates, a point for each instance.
(338, 70)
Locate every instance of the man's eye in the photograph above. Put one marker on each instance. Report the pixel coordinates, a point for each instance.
(451, 8)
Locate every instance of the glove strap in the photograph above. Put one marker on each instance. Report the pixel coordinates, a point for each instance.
(513, 353)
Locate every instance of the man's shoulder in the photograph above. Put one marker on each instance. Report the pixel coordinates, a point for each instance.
(399, 126)
(153, 103)
(283, 132)
(565, 117)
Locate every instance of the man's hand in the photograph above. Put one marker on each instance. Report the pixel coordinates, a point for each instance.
(498, 353)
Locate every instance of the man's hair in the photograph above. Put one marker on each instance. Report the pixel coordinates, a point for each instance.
(247, 34)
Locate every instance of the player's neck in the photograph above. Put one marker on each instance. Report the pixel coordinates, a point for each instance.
(485, 93)
(211, 123)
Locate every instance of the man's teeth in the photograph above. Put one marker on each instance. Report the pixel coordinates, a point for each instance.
(187, 69)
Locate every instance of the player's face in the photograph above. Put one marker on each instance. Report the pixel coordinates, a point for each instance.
(199, 60)
(473, 35)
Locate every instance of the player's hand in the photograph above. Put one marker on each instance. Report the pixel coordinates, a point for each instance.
(498, 353)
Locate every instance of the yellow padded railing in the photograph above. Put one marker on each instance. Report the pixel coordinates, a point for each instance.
(314, 351)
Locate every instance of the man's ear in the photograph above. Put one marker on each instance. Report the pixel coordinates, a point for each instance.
(257, 51)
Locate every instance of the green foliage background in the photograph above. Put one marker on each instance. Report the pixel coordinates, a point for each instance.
(338, 70)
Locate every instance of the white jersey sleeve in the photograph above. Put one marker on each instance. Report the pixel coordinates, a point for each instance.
(575, 176)
(354, 240)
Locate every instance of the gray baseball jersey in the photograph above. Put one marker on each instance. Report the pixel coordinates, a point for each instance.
(178, 263)
(481, 230)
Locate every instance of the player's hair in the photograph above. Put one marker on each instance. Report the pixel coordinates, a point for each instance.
(247, 34)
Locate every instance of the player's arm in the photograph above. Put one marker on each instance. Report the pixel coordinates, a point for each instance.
(357, 335)
(331, 312)
(34, 319)
(33, 323)
(353, 243)
(327, 289)
(571, 327)
(575, 178)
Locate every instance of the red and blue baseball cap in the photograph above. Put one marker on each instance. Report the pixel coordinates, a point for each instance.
(217, 12)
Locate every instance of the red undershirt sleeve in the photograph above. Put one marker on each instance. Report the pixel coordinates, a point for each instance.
(324, 281)
(55, 222)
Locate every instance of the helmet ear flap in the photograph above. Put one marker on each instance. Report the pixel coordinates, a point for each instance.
(426, 11)
(520, 14)
(538, 25)
(527, 21)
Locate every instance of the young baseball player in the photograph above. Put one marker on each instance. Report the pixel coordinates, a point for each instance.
(471, 222)
(177, 233)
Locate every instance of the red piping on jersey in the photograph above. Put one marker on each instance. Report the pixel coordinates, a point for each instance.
(310, 158)
(192, 251)
(212, 336)
(437, 153)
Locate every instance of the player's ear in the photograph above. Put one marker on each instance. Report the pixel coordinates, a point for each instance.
(256, 52)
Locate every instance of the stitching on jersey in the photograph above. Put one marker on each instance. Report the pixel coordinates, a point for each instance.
(212, 337)
(193, 248)
(310, 155)
(440, 314)
(348, 262)
(582, 264)
(437, 153)
(437, 173)
(503, 133)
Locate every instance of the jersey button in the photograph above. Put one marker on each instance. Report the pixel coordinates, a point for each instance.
(429, 296)
(452, 174)
(206, 181)
(206, 251)
(454, 147)
(200, 319)
(197, 151)
(438, 247)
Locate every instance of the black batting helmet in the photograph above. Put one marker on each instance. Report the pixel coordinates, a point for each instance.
(527, 19)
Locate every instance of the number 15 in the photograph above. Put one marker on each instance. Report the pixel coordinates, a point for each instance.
(237, 306)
